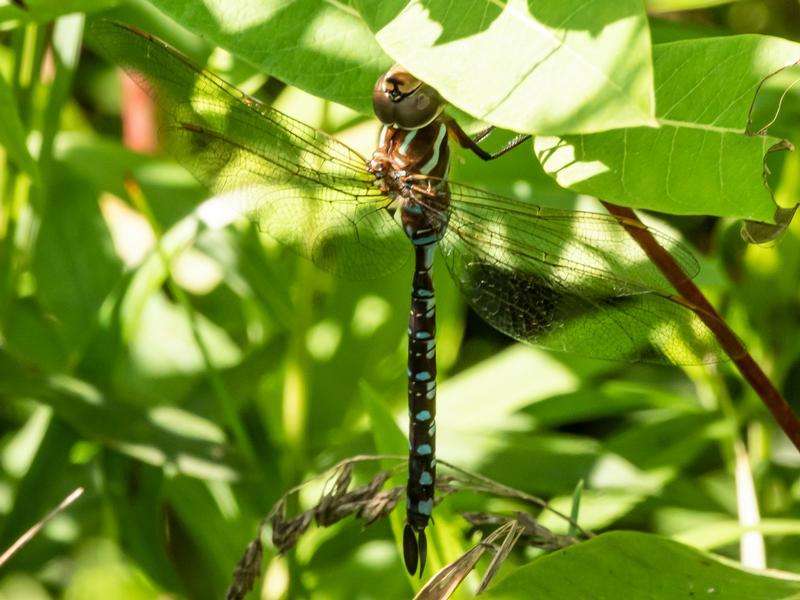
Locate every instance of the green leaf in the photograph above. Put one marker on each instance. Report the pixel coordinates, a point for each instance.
(174, 440)
(388, 437)
(663, 442)
(537, 67)
(19, 585)
(75, 264)
(606, 400)
(106, 164)
(47, 478)
(675, 5)
(32, 336)
(388, 440)
(44, 11)
(702, 158)
(722, 533)
(598, 508)
(213, 529)
(466, 417)
(101, 568)
(320, 47)
(162, 368)
(634, 565)
(12, 133)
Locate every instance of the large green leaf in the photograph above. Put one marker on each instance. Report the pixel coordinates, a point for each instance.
(538, 67)
(634, 565)
(702, 159)
(320, 47)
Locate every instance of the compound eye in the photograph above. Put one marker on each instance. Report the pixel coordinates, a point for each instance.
(402, 100)
(382, 102)
(420, 108)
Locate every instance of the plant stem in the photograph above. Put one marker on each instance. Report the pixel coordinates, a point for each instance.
(730, 343)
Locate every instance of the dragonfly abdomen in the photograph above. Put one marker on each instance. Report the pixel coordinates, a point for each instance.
(421, 407)
(411, 165)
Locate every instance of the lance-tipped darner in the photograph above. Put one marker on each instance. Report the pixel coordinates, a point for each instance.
(565, 280)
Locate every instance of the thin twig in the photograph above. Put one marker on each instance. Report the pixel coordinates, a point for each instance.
(728, 340)
(28, 535)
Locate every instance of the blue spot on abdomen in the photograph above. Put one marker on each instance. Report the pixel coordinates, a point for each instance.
(425, 507)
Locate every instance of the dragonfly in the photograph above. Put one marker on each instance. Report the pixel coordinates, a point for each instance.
(564, 280)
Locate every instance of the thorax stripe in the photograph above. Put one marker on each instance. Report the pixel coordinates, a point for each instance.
(434, 160)
(410, 135)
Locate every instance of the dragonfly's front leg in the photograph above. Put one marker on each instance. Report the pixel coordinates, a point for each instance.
(471, 143)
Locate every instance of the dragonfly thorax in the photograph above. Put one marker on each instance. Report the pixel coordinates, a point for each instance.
(410, 167)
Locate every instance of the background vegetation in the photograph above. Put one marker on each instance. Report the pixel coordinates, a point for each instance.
(186, 373)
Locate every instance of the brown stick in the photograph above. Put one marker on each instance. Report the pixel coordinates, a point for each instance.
(733, 347)
(36, 527)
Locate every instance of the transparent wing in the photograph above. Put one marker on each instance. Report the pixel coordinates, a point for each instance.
(300, 185)
(570, 281)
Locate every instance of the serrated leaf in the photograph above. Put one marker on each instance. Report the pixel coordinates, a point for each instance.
(701, 159)
(323, 48)
(536, 67)
(626, 564)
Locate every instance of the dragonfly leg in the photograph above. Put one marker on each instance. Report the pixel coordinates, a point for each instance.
(472, 143)
(482, 135)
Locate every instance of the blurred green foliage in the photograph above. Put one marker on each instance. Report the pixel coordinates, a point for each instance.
(187, 375)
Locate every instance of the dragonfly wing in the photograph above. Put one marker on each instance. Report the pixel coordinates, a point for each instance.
(340, 223)
(570, 281)
(300, 185)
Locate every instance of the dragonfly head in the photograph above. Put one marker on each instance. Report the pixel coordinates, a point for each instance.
(401, 100)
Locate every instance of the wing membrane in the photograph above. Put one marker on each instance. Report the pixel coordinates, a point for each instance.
(570, 281)
(300, 185)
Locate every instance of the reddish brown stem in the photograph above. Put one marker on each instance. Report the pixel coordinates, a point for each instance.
(733, 347)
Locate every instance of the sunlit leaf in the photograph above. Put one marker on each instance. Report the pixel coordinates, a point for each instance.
(647, 566)
(703, 158)
(567, 67)
(321, 47)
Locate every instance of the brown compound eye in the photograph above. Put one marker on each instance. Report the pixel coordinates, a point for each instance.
(402, 100)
